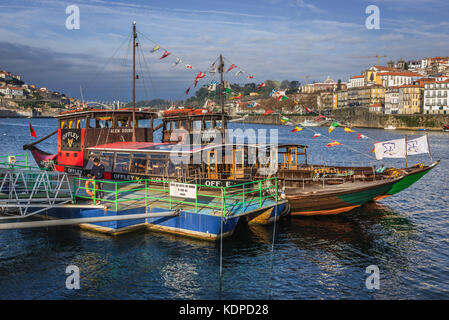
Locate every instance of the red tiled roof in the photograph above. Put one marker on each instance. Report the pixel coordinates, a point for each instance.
(404, 74)
(360, 76)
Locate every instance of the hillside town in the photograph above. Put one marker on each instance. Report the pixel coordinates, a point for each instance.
(17, 97)
(413, 87)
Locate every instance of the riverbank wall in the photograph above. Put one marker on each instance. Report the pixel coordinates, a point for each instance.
(361, 118)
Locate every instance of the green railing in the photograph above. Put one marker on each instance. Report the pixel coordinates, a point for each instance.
(19, 161)
(235, 199)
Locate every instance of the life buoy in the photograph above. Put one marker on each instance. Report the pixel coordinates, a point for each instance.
(89, 191)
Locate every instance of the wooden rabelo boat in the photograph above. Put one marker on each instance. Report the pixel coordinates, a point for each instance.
(123, 140)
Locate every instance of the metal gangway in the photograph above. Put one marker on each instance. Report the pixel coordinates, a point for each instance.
(27, 190)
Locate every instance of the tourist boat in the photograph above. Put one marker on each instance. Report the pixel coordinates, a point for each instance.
(390, 127)
(123, 140)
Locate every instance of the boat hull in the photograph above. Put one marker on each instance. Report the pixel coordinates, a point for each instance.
(336, 202)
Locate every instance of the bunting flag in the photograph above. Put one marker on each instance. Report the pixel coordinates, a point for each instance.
(188, 66)
(374, 149)
(231, 67)
(260, 86)
(273, 91)
(187, 91)
(361, 136)
(238, 73)
(308, 110)
(227, 90)
(200, 75)
(237, 96)
(195, 82)
(253, 104)
(268, 111)
(296, 102)
(348, 130)
(177, 61)
(165, 55)
(250, 77)
(214, 82)
(282, 98)
(156, 48)
(284, 119)
(297, 129)
(32, 132)
(333, 126)
(333, 144)
(319, 117)
(316, 135)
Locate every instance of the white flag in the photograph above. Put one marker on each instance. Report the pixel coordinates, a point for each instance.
(417, 146)
(390, 149)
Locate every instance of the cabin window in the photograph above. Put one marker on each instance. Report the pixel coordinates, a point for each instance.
(63, 124)
(81, 123)
(139, 163)
(156, 165)
(196, 125)
(208, 124)
(218, 124)
(91, 123)
(123, 122)
(104, 122)
(121, 163)
(107, 159)
(90, 162)
(144, 123)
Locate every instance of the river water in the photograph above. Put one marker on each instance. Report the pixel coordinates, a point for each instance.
(405, 236)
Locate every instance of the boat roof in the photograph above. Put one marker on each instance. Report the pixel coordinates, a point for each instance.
(158, 147)
(104, 112)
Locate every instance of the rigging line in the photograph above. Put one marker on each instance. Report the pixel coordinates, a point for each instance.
(141, 69)
(123, 75)
(108, 61)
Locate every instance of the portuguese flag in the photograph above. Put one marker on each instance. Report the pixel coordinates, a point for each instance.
(284, 119)
(282, 98)
(32, 132)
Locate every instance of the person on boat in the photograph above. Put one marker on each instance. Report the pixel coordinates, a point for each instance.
(381, 169)
(97, 172)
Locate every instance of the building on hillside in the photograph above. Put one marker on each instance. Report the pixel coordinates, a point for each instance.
(436, 98)
(394, 79)
(325, 100)
(342, 98)
(328, 85)
(410, 99)
(370, 95)
(356, 81)
(375, 108)
(391, 100)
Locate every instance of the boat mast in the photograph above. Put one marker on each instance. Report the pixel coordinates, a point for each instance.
(221, 69)
(134, 81)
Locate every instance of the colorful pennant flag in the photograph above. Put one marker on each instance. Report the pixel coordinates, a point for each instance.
(348, 130)
(250, 77)
(32, 132)
(165, 55)
(260, 86)
(268, 111)
(333, 144)
(188, 66)
(238, 73)
(284, 119)
(361, 136)
(177, 61)
(253, 104)
(316, 135)
(282, 98)
(308, 110)
(195, 82)
(237, 96)
(273, 91)
(333, 126)
(200, 75)
(156, 48)
(297, 129)
(187, 91)
(227, 90)
(231, 67)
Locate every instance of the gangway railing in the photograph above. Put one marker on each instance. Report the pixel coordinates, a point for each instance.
(27, 190)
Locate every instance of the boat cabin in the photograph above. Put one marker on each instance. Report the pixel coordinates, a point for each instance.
(201, 122)
(80, 129)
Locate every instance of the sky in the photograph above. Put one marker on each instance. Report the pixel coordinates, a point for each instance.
(269, 39)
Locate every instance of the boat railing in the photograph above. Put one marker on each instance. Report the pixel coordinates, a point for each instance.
(234, 199)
